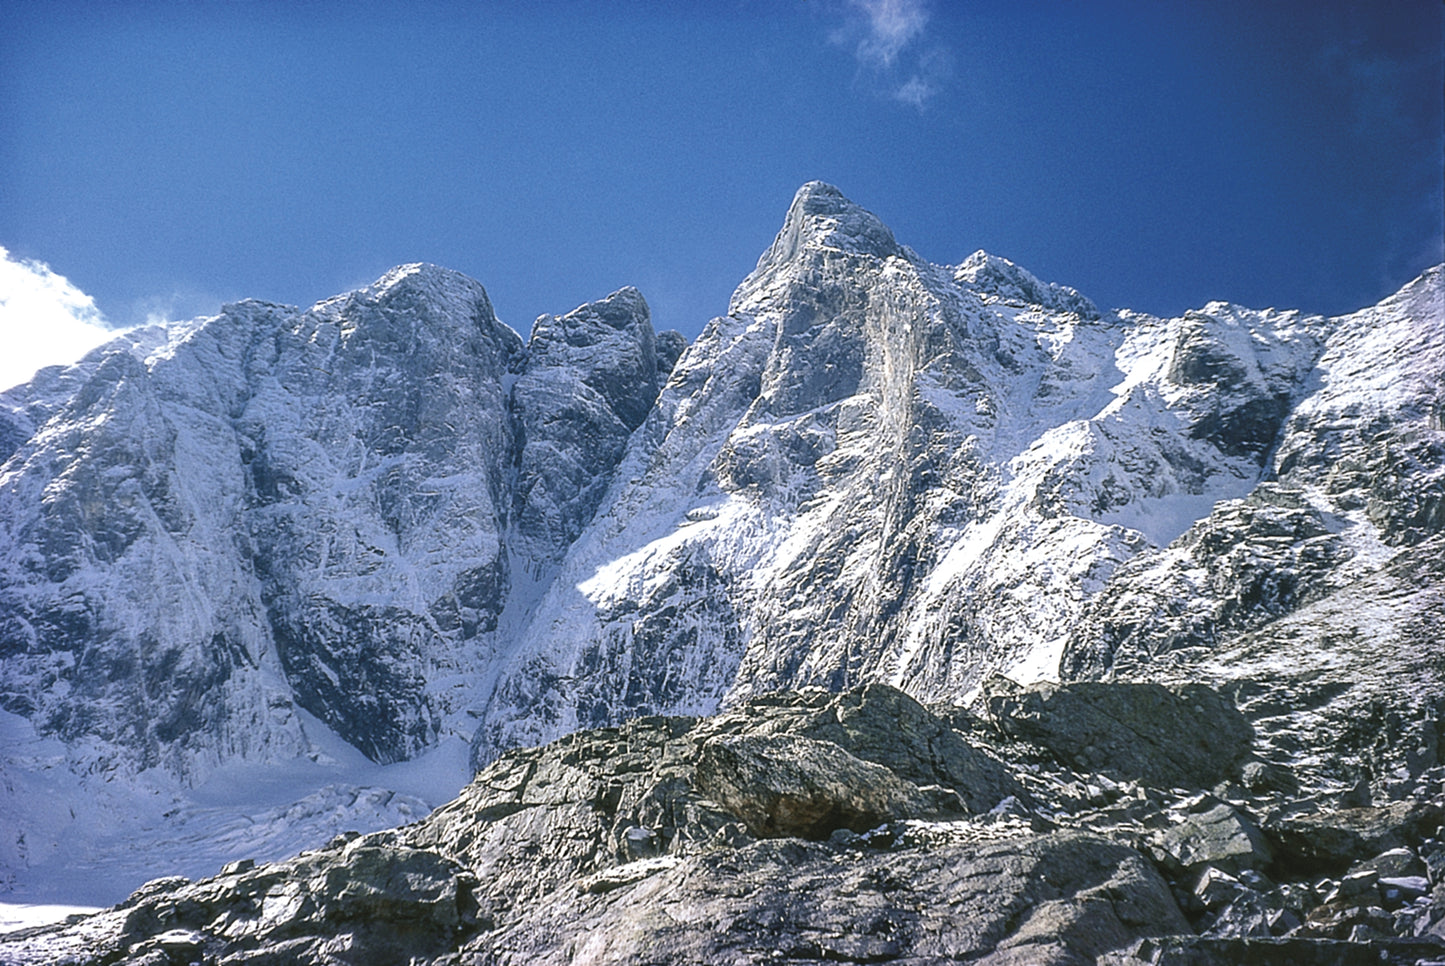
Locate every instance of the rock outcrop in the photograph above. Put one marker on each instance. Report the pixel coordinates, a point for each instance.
(1188, 736)
(750, 838)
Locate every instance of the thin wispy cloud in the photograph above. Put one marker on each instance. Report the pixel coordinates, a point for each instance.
(892, 26)
(44, 320)
(889, 40)
(176, 306)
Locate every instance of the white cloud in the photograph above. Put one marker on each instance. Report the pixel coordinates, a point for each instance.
(892, 26)
(44, 320)
(888, 41)
(916, 91)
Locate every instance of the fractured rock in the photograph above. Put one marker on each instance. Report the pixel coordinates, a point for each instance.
(787, 785)
(1219, 836)
(1187, 736)
(1331, 841)
(620, 845)
(881, 724)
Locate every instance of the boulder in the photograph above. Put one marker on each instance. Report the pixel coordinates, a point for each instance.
(1218, 835)
(1399, 890)
(1329, 842)
(1394, 863)
(880, 724)
(784, 785)
(1217, 888)
(390, 900)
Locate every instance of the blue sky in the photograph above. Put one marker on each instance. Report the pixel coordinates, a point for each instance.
(164, 157)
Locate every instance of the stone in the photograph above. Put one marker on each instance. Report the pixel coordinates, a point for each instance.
(181, 942)
(1220, 836)
(1355, 885)
(1247, 915)
(1338, 918)
(880, 724)
(1266, 776)
(1187, 736)
(1393, 863)
(787, 785)
(1330, 842)
(1216, 888)
(1282, 921)
(389, 899)
(790, 828)
(639, 843)
(1403, 889)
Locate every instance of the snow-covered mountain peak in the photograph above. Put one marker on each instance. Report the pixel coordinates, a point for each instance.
(623, 309)
(423, 277)
(819, 221)
(996, 278)
(422, 293)
(822, 216)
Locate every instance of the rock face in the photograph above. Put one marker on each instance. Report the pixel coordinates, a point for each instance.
(320, 509)
(874, 468)
(734, 839)
(390, 519)
(1188, 736)
(590, 379)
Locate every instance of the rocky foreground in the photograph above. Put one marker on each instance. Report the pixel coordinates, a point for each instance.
(1085, 823)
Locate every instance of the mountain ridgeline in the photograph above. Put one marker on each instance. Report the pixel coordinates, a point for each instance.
(392, 513)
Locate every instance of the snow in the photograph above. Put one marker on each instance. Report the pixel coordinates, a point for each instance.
(1162, 519)
(96, 840)
(15, 915)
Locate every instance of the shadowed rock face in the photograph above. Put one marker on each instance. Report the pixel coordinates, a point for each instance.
(589, 379)
(734, 838)
(276, 508)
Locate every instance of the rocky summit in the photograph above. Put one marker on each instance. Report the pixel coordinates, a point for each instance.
(911, 612)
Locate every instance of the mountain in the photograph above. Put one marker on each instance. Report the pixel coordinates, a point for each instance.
(341, 545)
(222, 542)
(878, 469)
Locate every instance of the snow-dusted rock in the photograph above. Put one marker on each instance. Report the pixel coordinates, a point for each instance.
(212, 530)
(589, 380)
(874, 468)
(391, 513)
